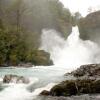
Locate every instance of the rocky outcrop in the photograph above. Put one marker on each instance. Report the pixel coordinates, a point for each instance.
(40, 57)
(90, 27)
(15, 79)
(91, 70)
(75, 87)
(86, 81)
(65, 88)
(45, 93)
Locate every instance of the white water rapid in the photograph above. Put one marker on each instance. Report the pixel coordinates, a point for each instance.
(67, 55)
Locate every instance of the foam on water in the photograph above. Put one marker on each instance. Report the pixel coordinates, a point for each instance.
(17, 91)
(39, 90)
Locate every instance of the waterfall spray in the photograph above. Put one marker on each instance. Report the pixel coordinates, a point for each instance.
(71, 52)
(67, 55)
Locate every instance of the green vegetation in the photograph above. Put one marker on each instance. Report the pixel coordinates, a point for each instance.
(21, 23)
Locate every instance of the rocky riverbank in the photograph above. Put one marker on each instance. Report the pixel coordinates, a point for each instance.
(86, 80)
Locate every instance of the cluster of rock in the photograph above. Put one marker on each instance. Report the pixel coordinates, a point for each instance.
(74, 87)
(15, 79)
(86, 81)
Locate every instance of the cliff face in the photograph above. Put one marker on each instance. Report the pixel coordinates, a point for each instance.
(90, 27)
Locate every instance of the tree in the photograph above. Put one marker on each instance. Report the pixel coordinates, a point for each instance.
(14, 13)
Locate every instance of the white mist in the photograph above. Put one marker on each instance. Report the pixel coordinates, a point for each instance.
(70, 53)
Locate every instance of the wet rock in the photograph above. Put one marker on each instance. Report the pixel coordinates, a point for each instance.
(92, 70)
(45, 93)
(15, 79)
(40, 57)
(66, 88)
(76, 87)
(84, 80)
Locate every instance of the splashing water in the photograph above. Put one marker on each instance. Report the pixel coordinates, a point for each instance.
(51, 42)
(71, 52)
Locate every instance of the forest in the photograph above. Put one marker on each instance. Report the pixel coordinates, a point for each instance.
(21, 24)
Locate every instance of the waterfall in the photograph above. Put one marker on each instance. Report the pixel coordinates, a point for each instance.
(70, 52)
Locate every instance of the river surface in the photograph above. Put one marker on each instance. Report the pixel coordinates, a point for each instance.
(41, 78)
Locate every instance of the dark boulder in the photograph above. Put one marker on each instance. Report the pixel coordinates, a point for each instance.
(92, 70)
(45, 93)
(65, 88)
(86, 80)
(40, 57)
(76, 87)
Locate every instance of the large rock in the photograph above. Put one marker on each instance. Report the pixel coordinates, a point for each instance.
(15, 79)
(90, 27)
(40, 57)
(75, 87)
(65, 88)
(45, 93)
(86, 80)
(92, 70)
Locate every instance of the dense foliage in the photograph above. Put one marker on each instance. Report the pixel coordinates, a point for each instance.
(21, 23)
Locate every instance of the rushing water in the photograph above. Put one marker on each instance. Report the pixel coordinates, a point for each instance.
(71, 52)
(67, 56)
(42, 78)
